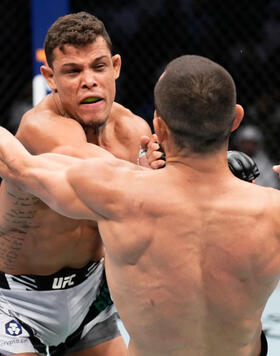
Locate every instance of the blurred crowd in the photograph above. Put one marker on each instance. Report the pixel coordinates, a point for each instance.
(242, 36)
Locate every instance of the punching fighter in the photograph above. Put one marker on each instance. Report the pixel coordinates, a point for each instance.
(191, 251)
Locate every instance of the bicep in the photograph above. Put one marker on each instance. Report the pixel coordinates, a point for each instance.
(100, 184)
(47, 179)
(63, 198)
(84, 150)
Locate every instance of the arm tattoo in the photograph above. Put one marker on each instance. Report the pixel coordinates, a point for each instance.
(17, 221)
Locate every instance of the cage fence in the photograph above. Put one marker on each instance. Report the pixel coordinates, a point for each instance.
(243, 36)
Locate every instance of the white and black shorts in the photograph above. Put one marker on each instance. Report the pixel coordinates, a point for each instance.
(68, 311)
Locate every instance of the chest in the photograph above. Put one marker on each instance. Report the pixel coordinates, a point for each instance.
(118, 142)
(123, 151)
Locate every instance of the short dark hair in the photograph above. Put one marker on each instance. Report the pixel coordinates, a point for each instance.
(78, 29)
(196, 98)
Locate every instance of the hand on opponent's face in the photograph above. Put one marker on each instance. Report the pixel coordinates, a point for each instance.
(240, 164)
(151, 154)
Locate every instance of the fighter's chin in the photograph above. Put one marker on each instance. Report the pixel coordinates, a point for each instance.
(95, 123)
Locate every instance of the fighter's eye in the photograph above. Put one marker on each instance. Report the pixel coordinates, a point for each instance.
(100, 66)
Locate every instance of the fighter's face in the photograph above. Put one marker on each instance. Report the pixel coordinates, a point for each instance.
(84, 78)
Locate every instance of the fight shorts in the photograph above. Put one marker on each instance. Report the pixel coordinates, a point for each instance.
(68, 311)
(264, 345)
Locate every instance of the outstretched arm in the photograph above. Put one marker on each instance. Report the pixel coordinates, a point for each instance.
(45, 176)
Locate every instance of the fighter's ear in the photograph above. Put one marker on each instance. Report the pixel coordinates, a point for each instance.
(117, 62)
(160, 128)
(48, 74)
(238, 117)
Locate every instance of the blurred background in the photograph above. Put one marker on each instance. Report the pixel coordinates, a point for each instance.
(243, 36)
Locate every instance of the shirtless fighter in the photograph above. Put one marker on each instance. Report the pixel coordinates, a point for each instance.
(54, 296)
(191, 251)
(53, 293)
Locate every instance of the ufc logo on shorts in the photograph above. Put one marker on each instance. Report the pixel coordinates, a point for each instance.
(63, 282)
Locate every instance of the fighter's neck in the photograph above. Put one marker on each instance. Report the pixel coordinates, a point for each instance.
(94, 134)
(205, 164)
(100, 135)
(57, 105)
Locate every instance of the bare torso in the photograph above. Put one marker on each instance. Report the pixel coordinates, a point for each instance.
(193, 278)
(36, 240)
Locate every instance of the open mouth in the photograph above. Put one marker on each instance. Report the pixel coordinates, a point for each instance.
(91, 99)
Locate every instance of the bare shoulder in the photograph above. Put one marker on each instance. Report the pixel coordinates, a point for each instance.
(263, 203)
(262, 197)
(269, 197)
(125, 118)
(273, 206)
(110, 181)
(262, 208)
(41, 129)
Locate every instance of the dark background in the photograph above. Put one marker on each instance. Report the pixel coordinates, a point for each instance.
(243, 36)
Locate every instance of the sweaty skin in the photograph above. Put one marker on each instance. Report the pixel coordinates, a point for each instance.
(195, 265)
(30, 231)
(35, 240)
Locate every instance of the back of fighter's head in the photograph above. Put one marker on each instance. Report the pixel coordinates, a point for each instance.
(196, 98)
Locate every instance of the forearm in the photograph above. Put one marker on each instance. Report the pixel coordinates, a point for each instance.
(45, 177)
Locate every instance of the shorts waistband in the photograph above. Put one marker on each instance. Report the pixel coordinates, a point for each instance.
(64, 279)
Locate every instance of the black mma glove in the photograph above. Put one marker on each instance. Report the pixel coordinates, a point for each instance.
(163, 157)
(242, 166)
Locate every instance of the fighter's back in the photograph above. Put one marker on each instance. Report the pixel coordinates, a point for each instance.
(196, 273)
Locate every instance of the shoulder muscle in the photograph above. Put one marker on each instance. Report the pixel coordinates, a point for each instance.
(42, 131)
(103, 184)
